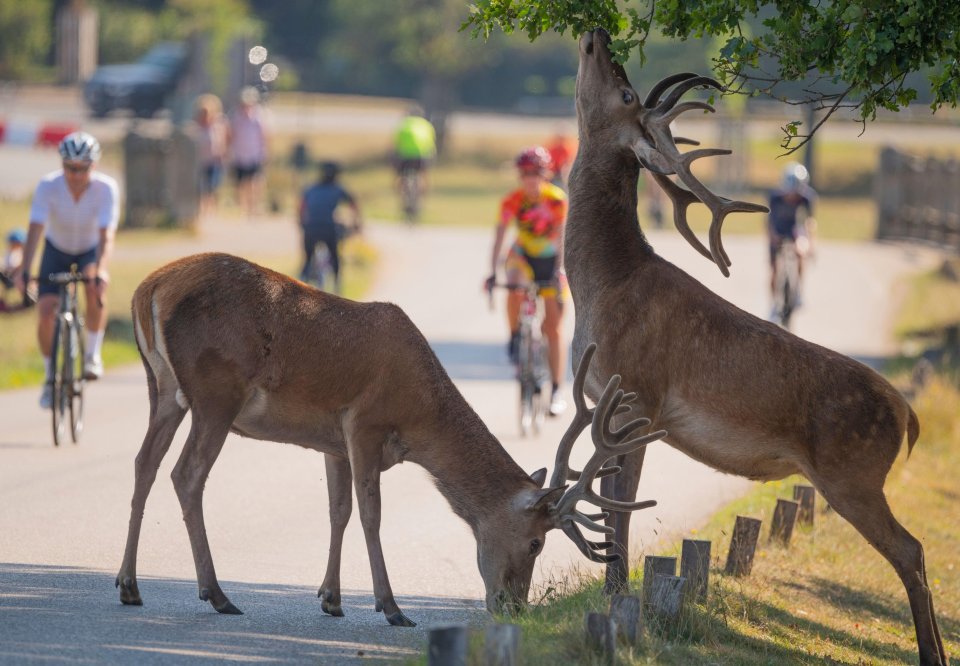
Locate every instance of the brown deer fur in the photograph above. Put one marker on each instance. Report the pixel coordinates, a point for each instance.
(251, 351)
(733, 391)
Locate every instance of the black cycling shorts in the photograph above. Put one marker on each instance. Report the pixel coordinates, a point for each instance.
(55, 260)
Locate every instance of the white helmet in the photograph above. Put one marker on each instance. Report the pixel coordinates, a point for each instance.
(80, 147)
(795, 176)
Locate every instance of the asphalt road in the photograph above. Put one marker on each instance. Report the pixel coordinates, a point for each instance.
(64, 512)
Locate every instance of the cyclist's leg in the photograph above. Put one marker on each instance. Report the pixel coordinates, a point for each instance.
(333, 247)
(48, 304)
(309, 243)
(552, 317)
(518, 272)
(96, 314)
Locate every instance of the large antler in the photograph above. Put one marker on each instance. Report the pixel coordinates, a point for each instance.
(609, 444)
(662, 158)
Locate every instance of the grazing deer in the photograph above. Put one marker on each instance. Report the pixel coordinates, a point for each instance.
(737, 393)
(240, 347)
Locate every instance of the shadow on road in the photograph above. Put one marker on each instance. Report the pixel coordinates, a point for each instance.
(56, 614)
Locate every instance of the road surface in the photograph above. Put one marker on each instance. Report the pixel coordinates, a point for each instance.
(64, 512)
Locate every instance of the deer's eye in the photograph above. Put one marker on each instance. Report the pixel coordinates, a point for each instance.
(627, 97)
(535, 546)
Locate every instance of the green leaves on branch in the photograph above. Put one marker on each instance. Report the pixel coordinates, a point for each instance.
(863, 51)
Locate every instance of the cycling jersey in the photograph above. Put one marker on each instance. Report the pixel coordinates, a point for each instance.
(782, 220)
(539, 222)
(73, 226)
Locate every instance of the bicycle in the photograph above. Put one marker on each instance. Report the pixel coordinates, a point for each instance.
(410, 194)
(531, 360)
(321, 264)
(786, 282)
(67, 357)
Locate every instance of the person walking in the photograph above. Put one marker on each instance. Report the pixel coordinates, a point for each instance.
(247, 140)
(76, 209)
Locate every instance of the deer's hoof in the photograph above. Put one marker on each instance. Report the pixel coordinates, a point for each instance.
(228, 609)
(330, 603)
(398, 619)
(129, 594)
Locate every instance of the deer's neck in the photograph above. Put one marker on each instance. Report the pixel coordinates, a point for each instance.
(469, 466)
(603, 240)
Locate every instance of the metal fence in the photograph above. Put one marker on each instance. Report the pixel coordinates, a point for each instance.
(918, 198)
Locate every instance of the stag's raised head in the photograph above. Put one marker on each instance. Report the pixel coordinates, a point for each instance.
(509, 542)
(611, 114)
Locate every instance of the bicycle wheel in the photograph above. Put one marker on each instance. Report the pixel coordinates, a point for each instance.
(59, 406)
(76, 381)
(529, 387)
(410, 190)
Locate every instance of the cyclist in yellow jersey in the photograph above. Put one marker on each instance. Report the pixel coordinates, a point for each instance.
(539, 210)
(415, 145)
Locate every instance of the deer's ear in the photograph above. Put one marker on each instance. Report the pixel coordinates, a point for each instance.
(539, 477)
(546, 497)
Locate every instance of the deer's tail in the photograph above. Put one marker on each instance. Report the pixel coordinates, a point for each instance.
(913, 429)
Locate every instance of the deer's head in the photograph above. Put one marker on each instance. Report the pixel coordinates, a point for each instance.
(509, 540)
(612, 115)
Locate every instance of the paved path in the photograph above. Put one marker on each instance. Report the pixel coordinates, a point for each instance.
(63, 513)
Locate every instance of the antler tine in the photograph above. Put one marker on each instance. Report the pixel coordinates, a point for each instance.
(588, 548)
(682, 89)
(653, 97)
(582, 418)
(583, 519)
(682, 198)
(672, 115)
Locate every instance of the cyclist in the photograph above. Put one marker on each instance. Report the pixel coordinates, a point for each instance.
(415, 146)
(539, 210)
(317, 207)
(76, 208)
(11, 264)
(785, 220)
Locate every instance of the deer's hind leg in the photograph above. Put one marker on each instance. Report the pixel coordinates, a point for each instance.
(864, 505)
(165, 417)
(212, 418)
(339, 492)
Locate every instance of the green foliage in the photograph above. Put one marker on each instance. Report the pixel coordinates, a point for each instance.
(861, 52)
(24, 36)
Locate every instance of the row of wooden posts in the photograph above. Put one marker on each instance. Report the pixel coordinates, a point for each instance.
(663, 593)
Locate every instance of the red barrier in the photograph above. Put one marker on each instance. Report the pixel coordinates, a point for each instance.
(52, 135)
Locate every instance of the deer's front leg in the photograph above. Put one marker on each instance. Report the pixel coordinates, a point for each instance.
(341, 503)
(365, 449)
(622, 487)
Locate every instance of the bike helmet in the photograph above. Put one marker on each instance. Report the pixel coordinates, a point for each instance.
(80, 147)
(17, 236)
(534, 159)
(795, 176)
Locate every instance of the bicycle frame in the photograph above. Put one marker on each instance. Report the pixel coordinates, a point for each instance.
(786, 283)
(67, 357)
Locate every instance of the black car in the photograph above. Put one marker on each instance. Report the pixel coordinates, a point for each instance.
(142, 86)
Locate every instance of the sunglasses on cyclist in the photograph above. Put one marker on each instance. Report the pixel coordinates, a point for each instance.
(76, 168)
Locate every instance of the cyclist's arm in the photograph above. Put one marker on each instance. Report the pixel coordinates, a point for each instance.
(22, 272)
(498, 237)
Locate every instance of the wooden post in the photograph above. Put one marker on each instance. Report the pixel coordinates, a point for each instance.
(602, 634)
(666, 596)
(500, 645)
(784, 518)
(807, 497)
(746, 531)
(447, 646)
(653, 565)
(695, 567)
(625, 611)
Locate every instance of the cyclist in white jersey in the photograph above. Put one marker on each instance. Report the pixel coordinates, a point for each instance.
(76, 209)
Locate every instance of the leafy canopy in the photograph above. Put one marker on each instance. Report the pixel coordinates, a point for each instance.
(855, 54)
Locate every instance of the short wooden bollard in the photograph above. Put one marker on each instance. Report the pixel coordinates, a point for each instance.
(501, 644)
(666, 596)
(807, 497)
(746, 531)
(625, 611)
(447, 646)
(695, 567)
(653, 565)
(784, 518)
(602, 634)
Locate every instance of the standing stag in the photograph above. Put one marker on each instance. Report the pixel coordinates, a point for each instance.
(251, 351)
(734, 392)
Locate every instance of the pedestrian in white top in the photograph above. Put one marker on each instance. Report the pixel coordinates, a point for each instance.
(248, 149)
(77, 210)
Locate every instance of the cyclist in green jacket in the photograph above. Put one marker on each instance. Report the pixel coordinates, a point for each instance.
(415, 146)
